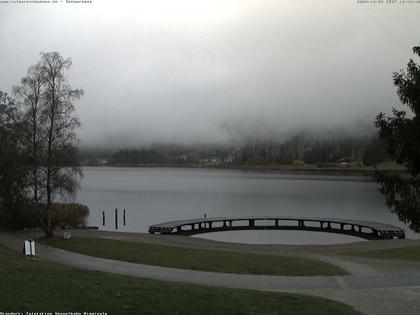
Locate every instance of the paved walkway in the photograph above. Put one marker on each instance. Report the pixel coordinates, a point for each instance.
(395, 293)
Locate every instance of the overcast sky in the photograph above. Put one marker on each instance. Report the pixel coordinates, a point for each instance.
(191, 70)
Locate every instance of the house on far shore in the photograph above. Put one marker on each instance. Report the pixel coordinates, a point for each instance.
(209, 162)
(348, 162)
(94, 162)
(298, 162)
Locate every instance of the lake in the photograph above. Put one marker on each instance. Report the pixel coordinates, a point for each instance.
(155, 195)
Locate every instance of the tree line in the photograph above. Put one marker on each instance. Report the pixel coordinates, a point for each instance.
(38, 157)
(302, 148)
(401, 133)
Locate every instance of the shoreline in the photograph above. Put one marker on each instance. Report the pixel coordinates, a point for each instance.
(366, 171)
(203, 243)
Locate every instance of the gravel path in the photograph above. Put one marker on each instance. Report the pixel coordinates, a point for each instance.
(375, 286)
(327, 253)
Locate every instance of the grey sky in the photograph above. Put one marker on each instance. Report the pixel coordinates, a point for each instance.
(216, 70)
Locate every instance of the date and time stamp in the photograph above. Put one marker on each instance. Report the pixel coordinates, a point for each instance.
(53, 2)
(388, 2)
(84, 2)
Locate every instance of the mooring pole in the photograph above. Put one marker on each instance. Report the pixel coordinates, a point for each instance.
(116, 219)
(124, 217)
(103, 218)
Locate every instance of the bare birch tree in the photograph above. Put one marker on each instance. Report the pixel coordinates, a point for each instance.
(51, 141)
(61, 164)
(30, 95)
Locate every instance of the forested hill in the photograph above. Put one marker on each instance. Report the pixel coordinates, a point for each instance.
(296, 150)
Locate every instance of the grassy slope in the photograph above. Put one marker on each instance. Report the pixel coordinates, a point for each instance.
(404, 253)
(208, 260)
(34, 285)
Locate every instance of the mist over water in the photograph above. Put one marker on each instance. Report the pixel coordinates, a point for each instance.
(216, 71)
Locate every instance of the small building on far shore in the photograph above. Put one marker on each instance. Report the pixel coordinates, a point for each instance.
(348, 162)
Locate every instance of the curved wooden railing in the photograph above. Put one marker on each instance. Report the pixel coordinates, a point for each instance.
(364, 229)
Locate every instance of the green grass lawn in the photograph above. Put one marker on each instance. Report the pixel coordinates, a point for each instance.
(403, 253)
(208, 260)
(40, 286)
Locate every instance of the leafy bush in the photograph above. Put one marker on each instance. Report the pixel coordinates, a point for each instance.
(24, 216)
(70, 214)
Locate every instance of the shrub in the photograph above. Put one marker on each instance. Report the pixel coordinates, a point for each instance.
(24, 216)
(70, 214)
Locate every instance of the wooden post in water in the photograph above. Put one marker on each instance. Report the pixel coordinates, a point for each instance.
(124, 217)
(116, 219)
(103, 218)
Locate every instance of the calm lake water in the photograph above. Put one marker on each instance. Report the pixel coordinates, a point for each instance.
(155, 195)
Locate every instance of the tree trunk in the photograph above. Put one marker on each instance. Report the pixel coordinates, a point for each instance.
(50, 219)
(49, 232)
